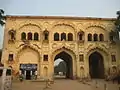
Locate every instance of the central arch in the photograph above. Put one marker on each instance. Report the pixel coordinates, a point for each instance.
(69, 57)
(68, 64)
(96, 65)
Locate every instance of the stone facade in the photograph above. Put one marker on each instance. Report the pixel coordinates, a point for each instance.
(32, 51)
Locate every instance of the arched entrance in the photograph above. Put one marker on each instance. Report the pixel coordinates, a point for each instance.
(68, 63)
(96, 65)
(28, 60)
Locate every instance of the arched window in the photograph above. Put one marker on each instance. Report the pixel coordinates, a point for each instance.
(56, 37)
(46, 34)
(23, 36)
(95, 37)
(101, 37)
(80, 36)
(89, 37)
(29, 36)
(12, 34)
(36, 36)
(70, 37)
(63, 36)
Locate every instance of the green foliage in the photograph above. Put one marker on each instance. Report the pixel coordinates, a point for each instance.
(2, 17)
(115, 32)
(61, 67)
(117, 22)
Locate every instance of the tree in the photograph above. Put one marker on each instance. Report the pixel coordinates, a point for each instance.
(117, 25)
(62, 66)
(2, 17)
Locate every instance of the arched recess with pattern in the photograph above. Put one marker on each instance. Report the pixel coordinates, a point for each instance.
(96, 29)
(63, 28)
(33, 28)
(71, 57)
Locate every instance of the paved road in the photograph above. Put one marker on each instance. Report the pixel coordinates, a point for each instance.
(64, 84)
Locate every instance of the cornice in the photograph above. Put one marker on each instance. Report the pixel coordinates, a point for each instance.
(61, 17)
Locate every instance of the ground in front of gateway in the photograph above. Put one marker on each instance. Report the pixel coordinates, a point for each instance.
(65, 84)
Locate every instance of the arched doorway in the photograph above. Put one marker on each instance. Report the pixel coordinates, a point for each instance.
(28, 62)
(67, 62)
(96, 65)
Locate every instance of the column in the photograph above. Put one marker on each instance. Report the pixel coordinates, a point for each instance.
(25, 74)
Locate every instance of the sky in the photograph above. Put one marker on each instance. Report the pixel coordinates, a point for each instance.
(80, 8)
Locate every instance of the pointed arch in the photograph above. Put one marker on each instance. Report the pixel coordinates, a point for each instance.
(63, 51)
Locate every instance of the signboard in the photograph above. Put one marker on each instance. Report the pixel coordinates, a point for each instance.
(28, 66)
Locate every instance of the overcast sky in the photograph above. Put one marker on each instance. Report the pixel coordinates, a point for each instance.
(81, 8)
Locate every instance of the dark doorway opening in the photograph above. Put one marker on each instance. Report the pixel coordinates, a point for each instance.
(65, 66)
(96, 65)
(28, 75)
